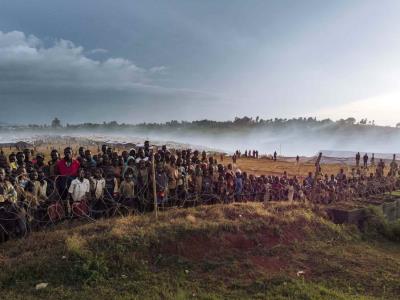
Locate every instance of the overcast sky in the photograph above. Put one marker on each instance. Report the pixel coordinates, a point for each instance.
(135, 61)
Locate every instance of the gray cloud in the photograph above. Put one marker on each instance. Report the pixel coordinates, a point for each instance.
(26, 62)
(48, 81)
(98, 50)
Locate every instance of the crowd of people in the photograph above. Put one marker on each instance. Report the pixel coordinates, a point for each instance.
(94, 185)
(251, 154)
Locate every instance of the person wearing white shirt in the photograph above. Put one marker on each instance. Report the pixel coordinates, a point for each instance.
(80, 187)
(98, 184)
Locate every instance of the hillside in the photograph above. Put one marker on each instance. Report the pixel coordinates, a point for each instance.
(209, 252)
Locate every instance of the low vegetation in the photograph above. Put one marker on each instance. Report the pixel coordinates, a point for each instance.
(235, 251)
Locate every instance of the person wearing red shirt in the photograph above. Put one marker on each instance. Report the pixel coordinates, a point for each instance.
(67, 169)
(68, 166)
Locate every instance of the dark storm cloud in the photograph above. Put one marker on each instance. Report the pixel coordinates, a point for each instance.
(51, 80)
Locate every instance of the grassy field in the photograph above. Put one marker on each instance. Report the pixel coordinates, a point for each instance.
(238, 251)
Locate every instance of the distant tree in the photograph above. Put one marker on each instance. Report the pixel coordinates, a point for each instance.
(112, 124)
(398, 125)
(363, 121)
(243, 121)
(350, 121)
(56, 123)
(326, 121)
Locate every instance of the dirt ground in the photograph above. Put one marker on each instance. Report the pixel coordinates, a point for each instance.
(270, 167)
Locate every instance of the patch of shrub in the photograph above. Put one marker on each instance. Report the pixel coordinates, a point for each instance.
(376, 225)
(88, 269)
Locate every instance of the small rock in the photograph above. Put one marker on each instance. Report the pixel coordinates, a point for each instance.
(191, 218)
(300, 273)
(187, 271)
(42, 285)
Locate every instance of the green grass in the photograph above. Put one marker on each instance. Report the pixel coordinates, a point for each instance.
(377, 226)
(394, 193)
(212, 252)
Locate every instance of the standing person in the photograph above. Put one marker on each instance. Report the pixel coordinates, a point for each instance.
(127, 192)
(12, 159)
(125, 156)
(51, 169)
(358, 157)
(142, 183)
(161, 185)
(173, 176)
(97, 184)
(340, 177)
(68, 169)
(40, 185)
(81, 155)
(290, 191)
(393, 166)
(238, 186)
(109, 176)
(373, 161)
(380, 171)
(99, 204)
(267, 191)
(28, 161)
(365, 159)
(68, 166)
(3, 160)
(275, 155)
(297, 160)
(78, 190)
(20, 159)
(181, 186)
(104, 149)
(39, 164)
(198, 181)
(7, 191)
(89, 163)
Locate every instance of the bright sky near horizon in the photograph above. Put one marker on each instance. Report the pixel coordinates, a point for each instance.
(154, 60)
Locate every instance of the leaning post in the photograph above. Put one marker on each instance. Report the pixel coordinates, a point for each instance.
(154, 182)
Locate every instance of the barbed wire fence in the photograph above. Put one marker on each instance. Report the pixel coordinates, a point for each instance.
(20, 218)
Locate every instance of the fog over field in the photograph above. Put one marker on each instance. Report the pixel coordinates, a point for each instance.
(288, 139)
